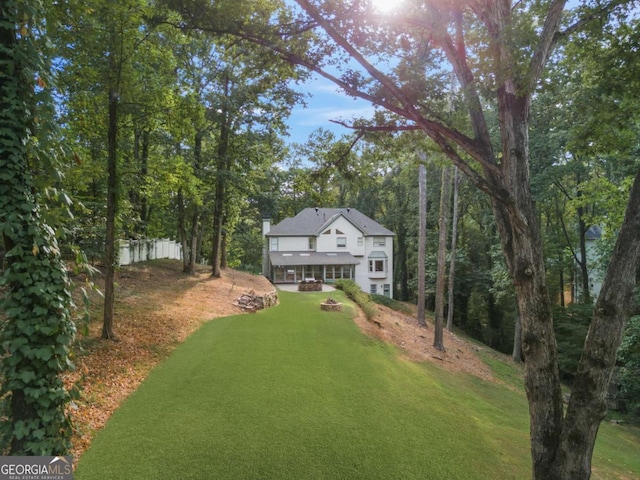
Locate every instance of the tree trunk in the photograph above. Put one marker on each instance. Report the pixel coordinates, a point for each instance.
(218, 212)
(519, 232)
(144, 171)
(182, 231)
(137, 195)
(454, 245)
(616, 302)
(36, 302)
(401, 272)
(193, 249)
(221, 180)
(112, 208)
(585, 296)
(441, 275)
(422, 240)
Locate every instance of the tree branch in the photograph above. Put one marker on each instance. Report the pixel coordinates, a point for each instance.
(593, 15)
(377, 128)
(545, 45)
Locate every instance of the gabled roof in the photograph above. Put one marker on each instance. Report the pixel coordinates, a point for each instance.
(313, 221)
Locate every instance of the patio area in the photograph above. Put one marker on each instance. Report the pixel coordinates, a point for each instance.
(293, 287)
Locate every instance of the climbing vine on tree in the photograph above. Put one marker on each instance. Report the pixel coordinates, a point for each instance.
(36, 328)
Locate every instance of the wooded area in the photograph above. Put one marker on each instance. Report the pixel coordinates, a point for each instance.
(138, 119)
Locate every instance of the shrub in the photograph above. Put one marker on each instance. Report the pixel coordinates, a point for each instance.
(352, 290)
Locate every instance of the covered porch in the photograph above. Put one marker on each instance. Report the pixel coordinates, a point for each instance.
(294, 267)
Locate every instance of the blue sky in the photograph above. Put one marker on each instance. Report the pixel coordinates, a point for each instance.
(326, 103)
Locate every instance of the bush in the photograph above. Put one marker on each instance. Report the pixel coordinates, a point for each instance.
(352, 290)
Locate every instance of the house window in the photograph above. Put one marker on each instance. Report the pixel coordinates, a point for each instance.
(327, 232)
(312, 243)
(328, 275)
(360, 241)
(339, 232)
(379, 241)
(274, 244)
(373, 289)
(341, 242)
(377, 265)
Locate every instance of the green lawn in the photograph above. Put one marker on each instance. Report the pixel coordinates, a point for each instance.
(293, 392)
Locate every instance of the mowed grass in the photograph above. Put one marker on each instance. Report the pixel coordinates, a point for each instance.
(294, 392)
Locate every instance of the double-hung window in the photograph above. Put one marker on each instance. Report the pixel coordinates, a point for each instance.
(379, 241)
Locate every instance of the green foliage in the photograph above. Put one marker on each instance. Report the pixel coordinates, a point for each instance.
(37, 329)
(571, 324)
(629, 359)
(352, 290)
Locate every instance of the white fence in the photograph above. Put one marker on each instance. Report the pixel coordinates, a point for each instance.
(132, 251)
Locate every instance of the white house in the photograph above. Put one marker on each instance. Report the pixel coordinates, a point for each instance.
(329, 244)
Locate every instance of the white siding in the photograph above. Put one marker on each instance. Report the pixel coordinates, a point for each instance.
(329, 242)
(363, 279)
(293, 244)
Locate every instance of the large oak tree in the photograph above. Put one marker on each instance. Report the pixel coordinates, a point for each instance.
(497, 50)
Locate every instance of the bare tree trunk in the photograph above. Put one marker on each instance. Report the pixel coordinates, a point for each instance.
(585, 296)
(441, 275)
(521, 240)
(222, 167)
(182, 231)
(422, 241)
(144, 171)
(112, 209)
(218, 212)
(401, 272)
(193, 250)
(454, 246)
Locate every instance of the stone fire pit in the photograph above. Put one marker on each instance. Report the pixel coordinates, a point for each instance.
(331, 305)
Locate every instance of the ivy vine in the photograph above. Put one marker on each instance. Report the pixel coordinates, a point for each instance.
(37, 329)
